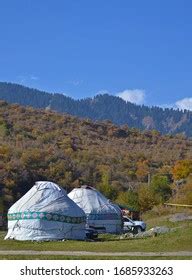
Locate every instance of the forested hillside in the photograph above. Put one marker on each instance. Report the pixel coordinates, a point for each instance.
(103, 107)
(122, 162)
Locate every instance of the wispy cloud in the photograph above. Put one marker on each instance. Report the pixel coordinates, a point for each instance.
(75, 83)
(185, 103)
(34, 78)
(136, 96)
(26, 79)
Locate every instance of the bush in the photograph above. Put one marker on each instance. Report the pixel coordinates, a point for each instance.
(184, 193)
(147, 199)
(129, 198)
(160, 187)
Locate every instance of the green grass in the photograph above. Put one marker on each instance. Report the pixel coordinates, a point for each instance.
(178, 240)
(53, 257)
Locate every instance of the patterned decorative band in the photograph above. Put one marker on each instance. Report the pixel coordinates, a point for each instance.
(107, 216)
(45, 216)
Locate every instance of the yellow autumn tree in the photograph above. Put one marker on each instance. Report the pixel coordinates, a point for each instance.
(182, 169)
(142, 170)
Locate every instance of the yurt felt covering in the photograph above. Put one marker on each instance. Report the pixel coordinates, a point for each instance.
(45, 212)
(101, 214)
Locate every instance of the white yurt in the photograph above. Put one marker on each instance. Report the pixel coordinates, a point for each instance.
(102, 215)
(45, 212)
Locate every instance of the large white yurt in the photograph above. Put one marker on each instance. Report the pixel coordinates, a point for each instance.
(45, 212)
(101, 214)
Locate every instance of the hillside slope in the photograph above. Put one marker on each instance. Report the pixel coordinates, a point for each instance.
(44, 145)
(103, 107)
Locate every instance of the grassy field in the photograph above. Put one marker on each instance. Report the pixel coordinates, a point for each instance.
(53, 257)
(180, 239)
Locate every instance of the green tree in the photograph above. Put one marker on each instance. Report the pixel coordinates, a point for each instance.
(106, 188)
(147, 198)
(160, 187)
(129, 198)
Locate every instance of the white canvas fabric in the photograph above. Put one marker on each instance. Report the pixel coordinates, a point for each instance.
(101, 213)
(45, 212)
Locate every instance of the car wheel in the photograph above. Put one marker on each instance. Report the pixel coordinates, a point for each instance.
(139, 229)
(134, 230)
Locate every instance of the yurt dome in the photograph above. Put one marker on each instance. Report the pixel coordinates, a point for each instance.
(45, 212)
(101, 214)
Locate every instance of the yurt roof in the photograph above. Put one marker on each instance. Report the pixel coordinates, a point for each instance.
(92, 201)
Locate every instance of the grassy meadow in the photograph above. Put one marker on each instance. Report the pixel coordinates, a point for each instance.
(179, 239)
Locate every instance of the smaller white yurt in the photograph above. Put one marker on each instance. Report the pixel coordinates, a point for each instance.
(101, 214)
(45, 212)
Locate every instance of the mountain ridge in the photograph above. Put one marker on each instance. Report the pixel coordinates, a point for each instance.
(102, 107)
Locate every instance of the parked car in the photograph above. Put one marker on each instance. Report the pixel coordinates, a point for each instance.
(133, 226)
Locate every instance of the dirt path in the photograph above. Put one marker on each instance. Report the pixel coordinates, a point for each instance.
(84, 253)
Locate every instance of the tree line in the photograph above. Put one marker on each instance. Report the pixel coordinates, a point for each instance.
(103, 107)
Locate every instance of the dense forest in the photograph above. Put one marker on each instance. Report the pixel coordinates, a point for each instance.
(137, 168)
(103, 107)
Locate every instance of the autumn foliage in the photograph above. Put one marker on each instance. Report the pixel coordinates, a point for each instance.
(118, 160)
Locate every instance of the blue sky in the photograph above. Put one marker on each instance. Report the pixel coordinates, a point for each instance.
(139, 50)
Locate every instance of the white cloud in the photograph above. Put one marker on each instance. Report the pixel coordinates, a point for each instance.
(136, 96)
(26, 79)
(185, 103)
(35, 78)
